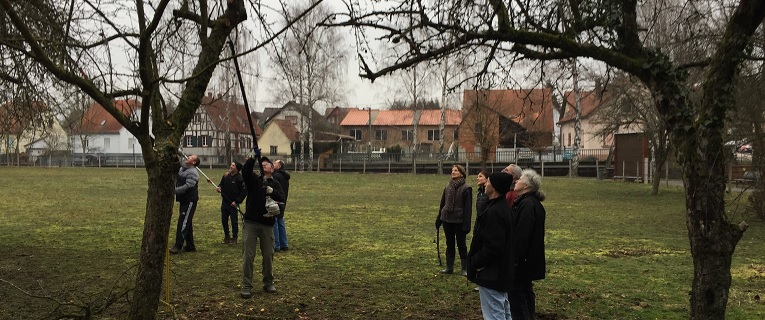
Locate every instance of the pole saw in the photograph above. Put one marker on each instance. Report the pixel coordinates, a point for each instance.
(246, 107)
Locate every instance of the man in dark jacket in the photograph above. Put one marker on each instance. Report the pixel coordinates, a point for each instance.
(187, 195)
(280, 229)
(232, 191)
(490, 257)
(257, 225)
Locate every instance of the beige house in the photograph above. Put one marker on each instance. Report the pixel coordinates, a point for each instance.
(590, 102)
(278, 139)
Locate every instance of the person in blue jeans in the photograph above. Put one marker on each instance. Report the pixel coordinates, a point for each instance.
(490, 259)
(280, 229)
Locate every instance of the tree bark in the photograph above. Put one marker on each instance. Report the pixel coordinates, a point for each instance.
(162, 174)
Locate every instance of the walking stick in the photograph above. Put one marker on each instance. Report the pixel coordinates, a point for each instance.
(438, 245)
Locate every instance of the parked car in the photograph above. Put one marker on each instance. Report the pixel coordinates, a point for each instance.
(88, 160)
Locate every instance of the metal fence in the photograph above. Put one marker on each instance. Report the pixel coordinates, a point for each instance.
(550, 162)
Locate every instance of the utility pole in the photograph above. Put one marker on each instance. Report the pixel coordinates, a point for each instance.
(369, 139)
(578, 123)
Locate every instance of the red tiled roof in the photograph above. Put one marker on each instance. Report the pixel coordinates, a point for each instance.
(394, 118)
(433, 117)
(400, 117)
(237, 115)
(589, 101)
(357, 118)
(97, 120)
(531, 108)
(288, 129)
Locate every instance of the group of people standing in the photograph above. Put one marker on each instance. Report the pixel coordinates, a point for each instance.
(507, 250)
(238, 183)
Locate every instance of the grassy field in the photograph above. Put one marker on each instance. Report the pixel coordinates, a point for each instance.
(361, 247)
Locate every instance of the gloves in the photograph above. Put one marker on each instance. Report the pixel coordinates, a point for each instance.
(438, 223)
(269, 190)
(257, 153)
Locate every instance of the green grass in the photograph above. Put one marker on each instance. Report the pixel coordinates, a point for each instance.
(361, 247)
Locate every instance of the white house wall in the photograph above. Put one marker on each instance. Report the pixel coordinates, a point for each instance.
(589, 140)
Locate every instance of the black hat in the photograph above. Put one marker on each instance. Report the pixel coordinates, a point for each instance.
(266, 159)
(502, 182)
(238, 166)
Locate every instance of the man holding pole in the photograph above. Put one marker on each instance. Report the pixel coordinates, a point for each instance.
(258, 226)
(187, 195)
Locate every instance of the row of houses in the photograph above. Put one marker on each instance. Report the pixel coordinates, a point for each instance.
(488, 120)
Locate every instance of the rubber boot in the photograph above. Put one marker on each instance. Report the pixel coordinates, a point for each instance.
(233, 240)
(227, 240)
(463, 262)
(449, 265)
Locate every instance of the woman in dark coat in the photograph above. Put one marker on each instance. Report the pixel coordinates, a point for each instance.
(490, 257)
(455, 214)
(481, 197)
(528, 245)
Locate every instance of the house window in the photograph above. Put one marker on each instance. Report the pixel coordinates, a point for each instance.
(189, 141)
(205, 140)
(407, 135)
(197, 118)
(356, 134)
(569, 139)
(433, 134)
(381, 134)
(478, 132)
(273, 150)
(292, 119)
(107, 143)
(456, 135)
(131, 143)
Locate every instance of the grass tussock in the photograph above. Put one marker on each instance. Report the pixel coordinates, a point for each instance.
(361, 247)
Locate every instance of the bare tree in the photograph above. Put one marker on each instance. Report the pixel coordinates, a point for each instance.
(479, 120)
(747, 126)
(628, 106)
(611, 32)
(68, 39)
(310, 65)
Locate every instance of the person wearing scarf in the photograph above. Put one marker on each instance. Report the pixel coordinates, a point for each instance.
(455, 213)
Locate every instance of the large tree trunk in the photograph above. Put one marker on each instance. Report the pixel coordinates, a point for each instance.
(712, 238)
(162, 174)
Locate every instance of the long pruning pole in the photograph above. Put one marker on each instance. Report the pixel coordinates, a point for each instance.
(246, 106)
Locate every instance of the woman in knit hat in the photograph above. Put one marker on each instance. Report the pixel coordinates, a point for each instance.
(455, 213)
